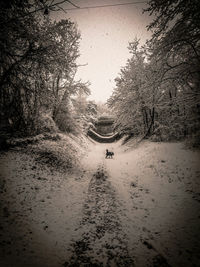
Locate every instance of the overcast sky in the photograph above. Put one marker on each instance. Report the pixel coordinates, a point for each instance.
(105, 34)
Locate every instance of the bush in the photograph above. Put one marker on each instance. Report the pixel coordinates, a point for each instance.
(167, 133)
(66, 122)
(46, 124)
(193, 141)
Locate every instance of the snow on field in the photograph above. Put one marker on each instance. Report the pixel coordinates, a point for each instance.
(139, 208)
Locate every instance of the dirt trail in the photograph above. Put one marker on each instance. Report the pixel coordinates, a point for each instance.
(141, 208)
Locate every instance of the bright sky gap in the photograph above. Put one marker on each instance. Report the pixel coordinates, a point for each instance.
(106, 29)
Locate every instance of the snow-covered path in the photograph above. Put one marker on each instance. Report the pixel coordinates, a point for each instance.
(141, 208)
(152, 192)
(158, 185)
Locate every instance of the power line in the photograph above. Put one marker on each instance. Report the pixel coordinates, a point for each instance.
(73, 4)
(102, 6)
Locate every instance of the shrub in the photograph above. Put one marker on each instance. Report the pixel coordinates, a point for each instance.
(193, 141)
(66, 122)
(45, 124)
(167, 133)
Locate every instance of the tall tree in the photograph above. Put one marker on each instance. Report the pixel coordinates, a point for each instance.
(38, 62)
(158, 90)
(175, 43)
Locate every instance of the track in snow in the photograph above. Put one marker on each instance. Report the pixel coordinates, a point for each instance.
(102, 242)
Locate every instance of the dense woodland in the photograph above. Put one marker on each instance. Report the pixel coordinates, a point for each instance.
(156, 94)
(38, 66)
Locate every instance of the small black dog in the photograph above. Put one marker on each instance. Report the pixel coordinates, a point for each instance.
(109, 154)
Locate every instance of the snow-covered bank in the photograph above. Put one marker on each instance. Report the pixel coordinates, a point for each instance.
(40, 208)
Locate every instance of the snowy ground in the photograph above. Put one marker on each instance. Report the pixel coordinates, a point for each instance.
(141, 208)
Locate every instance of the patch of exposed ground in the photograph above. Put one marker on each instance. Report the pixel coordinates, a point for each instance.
(102, 240)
